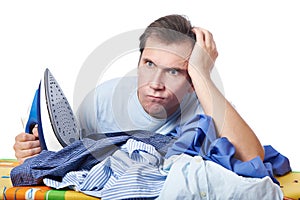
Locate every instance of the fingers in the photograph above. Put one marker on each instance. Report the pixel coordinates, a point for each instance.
(22, 155)
(26, 145)
(23, 137)
(200, 36)
(205, 39)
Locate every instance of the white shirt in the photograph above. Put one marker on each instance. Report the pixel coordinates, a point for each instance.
(194, 178)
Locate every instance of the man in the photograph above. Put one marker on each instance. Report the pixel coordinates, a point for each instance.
(172, 86)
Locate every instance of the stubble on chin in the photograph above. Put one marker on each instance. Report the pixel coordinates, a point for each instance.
(156, 110)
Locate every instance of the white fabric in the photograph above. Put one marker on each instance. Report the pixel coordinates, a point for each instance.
(193, 178)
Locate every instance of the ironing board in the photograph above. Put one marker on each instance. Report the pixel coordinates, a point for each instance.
(8, 192)
(289, 183)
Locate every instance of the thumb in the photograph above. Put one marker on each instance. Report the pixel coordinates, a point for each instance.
(35, 131)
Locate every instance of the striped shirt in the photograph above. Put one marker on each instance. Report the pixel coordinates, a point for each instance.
(134, 171)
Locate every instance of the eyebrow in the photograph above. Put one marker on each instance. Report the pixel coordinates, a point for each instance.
(165, 67)
(148, 60)
(177, 69)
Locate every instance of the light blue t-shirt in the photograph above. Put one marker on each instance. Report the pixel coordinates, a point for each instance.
(113, 106)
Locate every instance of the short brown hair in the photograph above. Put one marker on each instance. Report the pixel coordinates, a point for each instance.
(169, 29)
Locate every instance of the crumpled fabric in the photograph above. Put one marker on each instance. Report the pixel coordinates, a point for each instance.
(191, 177)
(220, 150)
(81, 155)
(196, 138)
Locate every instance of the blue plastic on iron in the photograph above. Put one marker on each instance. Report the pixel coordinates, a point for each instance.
(35, 118)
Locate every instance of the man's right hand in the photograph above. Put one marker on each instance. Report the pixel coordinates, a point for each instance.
(27, 145)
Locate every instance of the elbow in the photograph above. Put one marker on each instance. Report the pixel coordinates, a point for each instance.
(261, 153)
(249, 155)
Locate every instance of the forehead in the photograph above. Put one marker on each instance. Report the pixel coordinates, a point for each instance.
(162, 51)
(181, 48)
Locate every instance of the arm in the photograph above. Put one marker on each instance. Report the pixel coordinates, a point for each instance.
(227, 120)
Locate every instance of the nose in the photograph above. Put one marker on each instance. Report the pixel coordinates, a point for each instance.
(157, 82)
(157, 86)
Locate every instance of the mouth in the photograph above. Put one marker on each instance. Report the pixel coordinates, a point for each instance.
(155, 98)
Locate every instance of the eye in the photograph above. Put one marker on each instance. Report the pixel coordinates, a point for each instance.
(173, 72)
(149, 64)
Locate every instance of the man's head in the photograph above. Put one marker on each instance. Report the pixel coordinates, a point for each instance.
(163, 80)
(169, 29)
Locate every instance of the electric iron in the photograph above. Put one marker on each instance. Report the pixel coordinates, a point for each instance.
(51, 111)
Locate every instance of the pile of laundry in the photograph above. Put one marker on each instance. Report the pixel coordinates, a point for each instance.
(184, 164)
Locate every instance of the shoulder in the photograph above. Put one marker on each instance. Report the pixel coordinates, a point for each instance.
(112, 91)
(116, 83)
(106, 90)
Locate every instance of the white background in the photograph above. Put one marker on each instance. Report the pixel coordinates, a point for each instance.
(257, 42)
